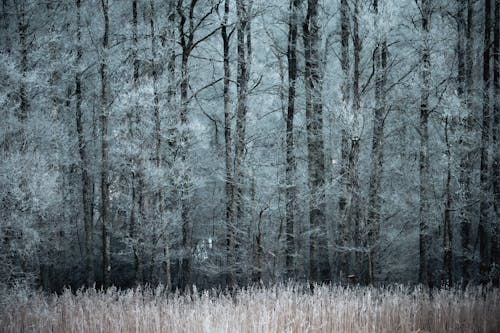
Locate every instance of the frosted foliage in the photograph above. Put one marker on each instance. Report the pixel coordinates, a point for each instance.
(184, 167)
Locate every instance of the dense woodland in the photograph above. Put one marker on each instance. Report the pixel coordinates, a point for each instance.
(228, 142)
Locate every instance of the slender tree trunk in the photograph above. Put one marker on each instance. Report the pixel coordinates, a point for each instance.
(483, 227)
(86, 192)
(374, 204)
(424, 236)
(105, 214)
(496, 111)
(23, 94)
(166, 266)
(186, 41)
(5, 38)
(353, 214)
(186, 223)
(239, 144)
(447, 227)
(343, 268)
(319, 265)
(466, 163)
(495, 242)
(290, 154)
(229, 185)
(469, 54)
(137, 190)
(460, 48)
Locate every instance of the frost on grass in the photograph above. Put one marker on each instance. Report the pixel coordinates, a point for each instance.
(275, 309)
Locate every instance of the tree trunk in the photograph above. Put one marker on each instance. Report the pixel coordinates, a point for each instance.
(186, 39)
(105, 216)
(466, 163)
(424, 236)
(6, 27)
(290, 171)
(137, 190)
(229, 185)
(374, 204)
(483, 227)
(319, 265)
(495, 242)
(186, 224)
(353, 214)
(239, 144)
(23, 94)
(172, 120)
(447, 227)
(86, 191)
(460, 50)
(343, 229)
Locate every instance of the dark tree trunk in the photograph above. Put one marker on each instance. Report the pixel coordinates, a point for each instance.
(483, 227)
(229, 185)
(424, 236)
(353, 213)
(105, 214)
(460, 48)
(343, 229)
(319, 264)
(5, 38)
(136, 174)
(447, 226)
(23, 44)
(186, 41)
(239, 142)
(170, 200)
(186, 224)
(496, 110)
(374, 204)
(495, 242)
(466, 163)
(290, 153)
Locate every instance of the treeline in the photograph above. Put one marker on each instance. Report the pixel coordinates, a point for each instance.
(225, 142)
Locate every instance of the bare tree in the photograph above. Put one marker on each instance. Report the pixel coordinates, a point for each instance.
(186, 40)
(172, 196)
(447, 220)
(319, 266)
(6, 40)
(22, 30)
(343, 226)
(105, 212)
(425, 194)
(137, 208)
(242, 11)
(495, 242)
(229, 185)
(467, 129)
(483, 227)
(187, 27)
(290, 154)
(353, 212)
(374, 204)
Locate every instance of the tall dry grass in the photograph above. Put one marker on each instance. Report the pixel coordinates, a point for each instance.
(275, 309)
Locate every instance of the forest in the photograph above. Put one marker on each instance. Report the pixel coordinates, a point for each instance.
(220, 143)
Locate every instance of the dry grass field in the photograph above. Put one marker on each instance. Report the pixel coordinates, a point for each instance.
(276, 309)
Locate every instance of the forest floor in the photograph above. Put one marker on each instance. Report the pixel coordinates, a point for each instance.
(395, 309)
